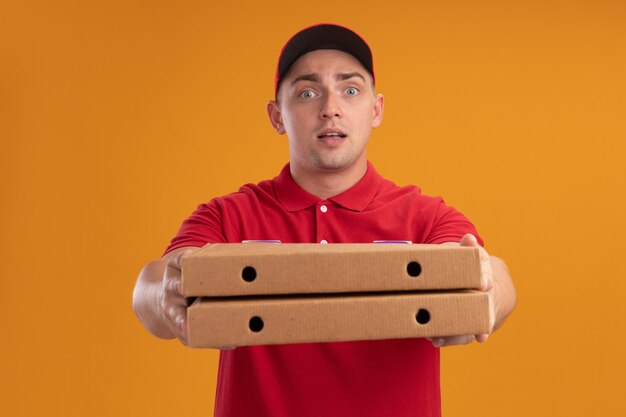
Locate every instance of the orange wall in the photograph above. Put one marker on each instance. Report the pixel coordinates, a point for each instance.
(118, 118)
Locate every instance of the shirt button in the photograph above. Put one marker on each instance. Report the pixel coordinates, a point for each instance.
(323, 241)
(324, 209)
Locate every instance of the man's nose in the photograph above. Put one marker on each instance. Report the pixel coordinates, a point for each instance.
(330, 107)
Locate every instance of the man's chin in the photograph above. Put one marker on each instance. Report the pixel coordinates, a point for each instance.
(332, 164)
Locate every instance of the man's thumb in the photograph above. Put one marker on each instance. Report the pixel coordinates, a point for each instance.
(469, 240)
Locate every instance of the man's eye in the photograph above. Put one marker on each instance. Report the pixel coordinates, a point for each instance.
(307, 94)
(351, 91)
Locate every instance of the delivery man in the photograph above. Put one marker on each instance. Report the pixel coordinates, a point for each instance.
(328, 193)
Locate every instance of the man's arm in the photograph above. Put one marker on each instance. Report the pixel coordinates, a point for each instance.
(158, 301)
(497, 283)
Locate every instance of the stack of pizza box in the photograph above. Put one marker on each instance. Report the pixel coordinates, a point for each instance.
(261, 294)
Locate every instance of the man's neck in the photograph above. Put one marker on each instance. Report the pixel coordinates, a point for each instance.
(328, 183)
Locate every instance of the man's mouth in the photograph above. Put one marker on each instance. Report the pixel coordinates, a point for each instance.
(333, 134)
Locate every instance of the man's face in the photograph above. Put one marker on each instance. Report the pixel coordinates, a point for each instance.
(327, 106)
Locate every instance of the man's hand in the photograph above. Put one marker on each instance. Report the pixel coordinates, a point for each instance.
(158, 300)
(497, 284)
(172, 303)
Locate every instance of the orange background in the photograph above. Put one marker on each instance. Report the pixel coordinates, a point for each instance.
(117, 118)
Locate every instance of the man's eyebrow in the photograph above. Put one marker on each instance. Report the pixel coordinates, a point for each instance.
(347, 75)
(306, 77)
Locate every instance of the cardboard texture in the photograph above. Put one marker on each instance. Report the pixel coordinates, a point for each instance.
(301, 268)
(241, 322)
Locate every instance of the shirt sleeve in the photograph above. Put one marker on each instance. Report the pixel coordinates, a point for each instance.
(203, 226)
(448, 224)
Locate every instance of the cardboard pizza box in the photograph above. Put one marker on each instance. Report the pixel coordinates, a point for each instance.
(231, 269)
(228, 322)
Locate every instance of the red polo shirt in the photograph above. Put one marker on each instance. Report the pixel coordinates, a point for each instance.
(368, 378)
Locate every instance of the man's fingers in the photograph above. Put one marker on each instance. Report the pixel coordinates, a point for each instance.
(182, 336)
(175, 260)
(175, 314)
(174, 263)
(482, 338)
(468, 240)
(452, 340)
(173, 303)
(176, 318)
(458, 340)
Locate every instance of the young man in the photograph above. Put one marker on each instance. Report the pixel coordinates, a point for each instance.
(328, 193)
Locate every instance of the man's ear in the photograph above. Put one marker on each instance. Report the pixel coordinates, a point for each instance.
(379, 106)
(273, 111)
